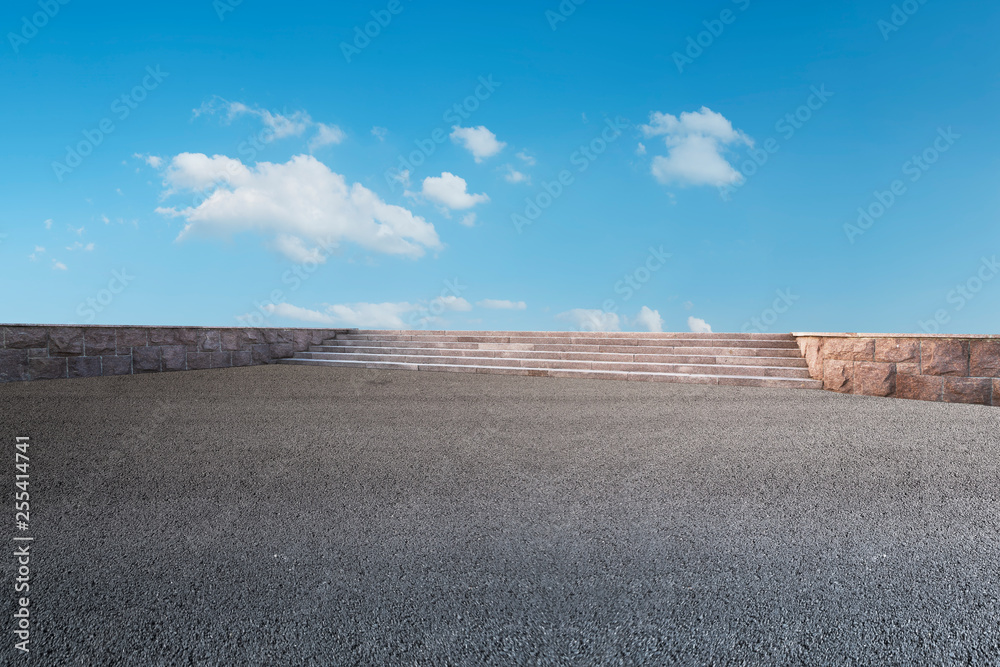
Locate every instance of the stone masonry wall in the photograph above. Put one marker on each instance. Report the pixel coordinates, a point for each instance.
(950, 369)
(44, 352)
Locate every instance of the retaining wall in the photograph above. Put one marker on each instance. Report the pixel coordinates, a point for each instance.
(44, 352)
(925, 367)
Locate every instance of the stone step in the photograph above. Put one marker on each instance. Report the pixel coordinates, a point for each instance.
(730, 380)
(628, 366)
(578, 334)
(787, 362)
(606, 339)
(542, 347)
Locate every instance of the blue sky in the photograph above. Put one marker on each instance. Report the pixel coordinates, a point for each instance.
(733, 165)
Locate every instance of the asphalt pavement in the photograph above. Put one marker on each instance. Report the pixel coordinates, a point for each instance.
(288, 515)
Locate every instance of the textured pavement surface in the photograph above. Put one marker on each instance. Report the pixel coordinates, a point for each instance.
(299, 515)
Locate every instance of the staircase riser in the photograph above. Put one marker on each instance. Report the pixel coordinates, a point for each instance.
(556, 373)
(738, 349)
(562, 340)
(787, 362)
(574, 334)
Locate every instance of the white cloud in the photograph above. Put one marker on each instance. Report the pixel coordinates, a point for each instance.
(469, 220)
(499, 304)
(456, 303)
(591, 320)
(369, 315)
(696, 142)
(477, 140)
(58, 266)
(301, 199)
(79, 232)
(688, 305)
(295, 249)
(528, 159)
(380, 133)
(279, 126)
(640, 149)
(38, 251)
(451, 191)
(697, 325)
(154, 161)
(649, 320)
(48, 224)
(514, 176)
(80, 246)
(326, 135)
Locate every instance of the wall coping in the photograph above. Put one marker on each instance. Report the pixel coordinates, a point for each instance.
(895, 335)
(165, 326)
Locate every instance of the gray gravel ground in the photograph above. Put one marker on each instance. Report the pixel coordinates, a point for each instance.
(301, 515)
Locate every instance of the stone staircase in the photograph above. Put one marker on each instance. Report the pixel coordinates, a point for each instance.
(757, 360)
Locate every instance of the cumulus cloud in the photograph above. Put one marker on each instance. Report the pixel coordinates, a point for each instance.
(649, 320)
(696, 143)
(300, 199)
(38, 251)
(526, 158)
(477, 140)
(697, 325)
(278, 126)
(154, 161)
(502, 304)
(590, 320)
(456, 303)
(86, 247)
(640, 149)
(48, 223)
(451, 191)
(58, 266)
(469, 220)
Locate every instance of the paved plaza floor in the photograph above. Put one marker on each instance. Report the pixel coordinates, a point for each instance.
(303, 515)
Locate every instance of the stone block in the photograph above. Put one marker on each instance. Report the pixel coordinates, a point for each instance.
(222, 359)
(146, 359)
(38, 352)
(65, 341)
(908, 369)
(811, 348)
(248, 337)
(984, 358)
(209, 340)
(46, 368)
(996, 393)
(22, 338)
(945, 357)
(897, 350)
(277, 336)
(84, 367)
(838, 376)
(117, 364)
(919, 387)
(849, 349)
(968, 390)
(13, 365)
(197, 361)
(173, 336)
(130, 337)
(98, 342)
(301, 339)
(230, 339)
(260, 354)
(874, 379)
(174, 357)
(242, 358)
(282, 350)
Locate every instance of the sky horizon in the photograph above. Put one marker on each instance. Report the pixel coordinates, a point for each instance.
(713, 166)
